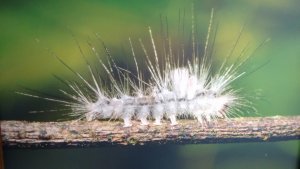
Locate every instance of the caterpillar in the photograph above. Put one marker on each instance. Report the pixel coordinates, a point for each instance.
(176, 89)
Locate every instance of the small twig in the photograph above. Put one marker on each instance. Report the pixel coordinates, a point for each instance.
(82, 133)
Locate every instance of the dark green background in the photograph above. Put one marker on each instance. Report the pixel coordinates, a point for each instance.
(28, 28)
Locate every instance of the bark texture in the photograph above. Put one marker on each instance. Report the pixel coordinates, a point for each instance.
(25, 134)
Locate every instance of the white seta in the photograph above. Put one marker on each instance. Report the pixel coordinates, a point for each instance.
(174, 90)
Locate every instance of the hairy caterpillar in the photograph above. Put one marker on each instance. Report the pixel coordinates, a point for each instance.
(176, 89)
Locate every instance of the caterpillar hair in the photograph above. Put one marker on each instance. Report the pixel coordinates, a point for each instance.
(183, 84)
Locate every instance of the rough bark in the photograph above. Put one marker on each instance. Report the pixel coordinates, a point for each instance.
(1, 153)
(104, 133)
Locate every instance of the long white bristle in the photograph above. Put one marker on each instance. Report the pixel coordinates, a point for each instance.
(175, 90)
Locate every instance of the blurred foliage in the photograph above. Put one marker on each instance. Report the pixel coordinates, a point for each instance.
(32, 29)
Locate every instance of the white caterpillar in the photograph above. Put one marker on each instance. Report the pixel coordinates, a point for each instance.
(174, 90)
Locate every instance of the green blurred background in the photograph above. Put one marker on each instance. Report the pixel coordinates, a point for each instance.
(29, 28)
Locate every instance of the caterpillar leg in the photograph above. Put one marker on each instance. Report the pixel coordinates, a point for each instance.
(143, 115)
(173, 120)
(158, 114)
(144, 121)
(203, 120)
(90, 116)
(127, 116)
(127, 122)
(157, 121)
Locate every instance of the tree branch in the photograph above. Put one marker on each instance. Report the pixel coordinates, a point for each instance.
(96, 133)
